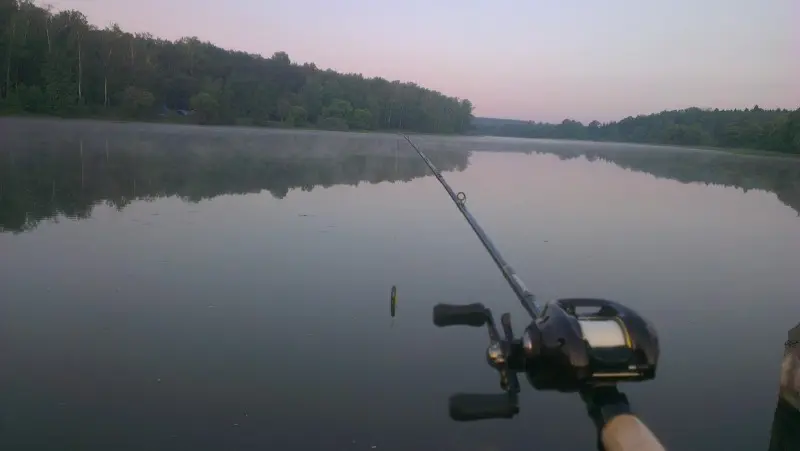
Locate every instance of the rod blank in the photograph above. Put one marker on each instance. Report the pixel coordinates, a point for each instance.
(523, 294)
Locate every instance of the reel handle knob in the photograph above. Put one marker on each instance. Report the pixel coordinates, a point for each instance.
(473, 407)
(473, 315)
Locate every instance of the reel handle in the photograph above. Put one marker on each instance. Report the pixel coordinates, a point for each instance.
(474, 315)
(473, 407)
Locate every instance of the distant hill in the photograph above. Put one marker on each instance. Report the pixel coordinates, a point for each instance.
(750, 128)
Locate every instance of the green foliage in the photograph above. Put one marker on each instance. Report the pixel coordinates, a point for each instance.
(333, 123)
(756, 128)
(205, 106)
(80, 68)
(137, 102)
(338, 108)
(361, 119)
(298, 116)
(32, 98)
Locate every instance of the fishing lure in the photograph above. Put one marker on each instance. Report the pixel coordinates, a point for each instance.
(393, 301)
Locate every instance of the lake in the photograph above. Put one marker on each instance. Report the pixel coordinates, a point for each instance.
(185, 288)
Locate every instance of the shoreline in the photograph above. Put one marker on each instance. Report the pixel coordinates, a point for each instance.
(273, 127)
(278, 126)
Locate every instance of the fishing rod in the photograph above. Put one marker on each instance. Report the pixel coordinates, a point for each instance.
(583, 345)
(525, 296)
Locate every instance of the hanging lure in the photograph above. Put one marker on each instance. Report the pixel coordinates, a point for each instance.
(393, 301)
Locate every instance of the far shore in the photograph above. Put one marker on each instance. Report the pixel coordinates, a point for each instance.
(277, 126)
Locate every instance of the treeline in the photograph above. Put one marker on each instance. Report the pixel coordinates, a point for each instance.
(58, 64)
(750, 128)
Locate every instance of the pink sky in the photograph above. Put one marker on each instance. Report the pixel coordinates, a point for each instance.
(539, 60)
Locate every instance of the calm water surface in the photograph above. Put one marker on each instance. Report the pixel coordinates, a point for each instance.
(181, 288)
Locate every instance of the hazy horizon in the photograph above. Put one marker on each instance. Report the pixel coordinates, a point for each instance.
(512, 59)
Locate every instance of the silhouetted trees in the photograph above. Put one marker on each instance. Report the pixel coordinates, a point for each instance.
(756, 128)
(59, 64)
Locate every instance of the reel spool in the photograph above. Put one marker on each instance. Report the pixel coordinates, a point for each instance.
(566, 348)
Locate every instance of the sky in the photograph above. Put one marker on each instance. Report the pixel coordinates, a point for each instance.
(542, 60)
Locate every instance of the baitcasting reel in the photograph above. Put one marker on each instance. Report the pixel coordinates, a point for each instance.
(573, 344)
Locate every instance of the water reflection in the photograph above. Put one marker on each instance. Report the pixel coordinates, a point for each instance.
(63, 173)
(52, 168)
(773, 174)
(776, 174)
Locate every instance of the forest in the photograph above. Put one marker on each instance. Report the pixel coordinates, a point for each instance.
(58, 64)
(749, 128)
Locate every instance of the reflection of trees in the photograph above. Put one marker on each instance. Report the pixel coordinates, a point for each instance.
(779, 175)
(67, 170)
(51, 168)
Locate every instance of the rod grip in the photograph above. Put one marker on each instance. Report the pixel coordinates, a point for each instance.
(472, 407)
(459, 315)
(628, 433)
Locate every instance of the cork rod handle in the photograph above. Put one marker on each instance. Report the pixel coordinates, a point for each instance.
(628, 433)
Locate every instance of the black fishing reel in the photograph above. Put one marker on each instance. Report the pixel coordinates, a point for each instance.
(573, 344)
